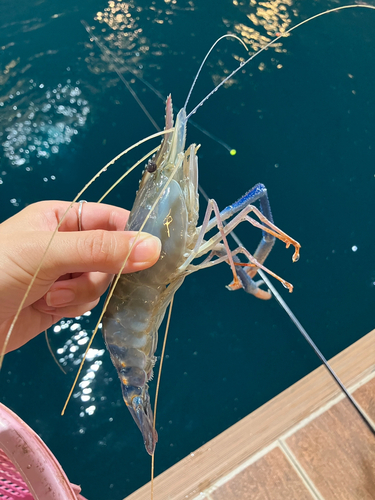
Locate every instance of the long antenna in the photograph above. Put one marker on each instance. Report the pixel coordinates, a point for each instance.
(280, 35)
(228, 35)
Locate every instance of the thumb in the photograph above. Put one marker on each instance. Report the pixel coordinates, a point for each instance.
(100, 250)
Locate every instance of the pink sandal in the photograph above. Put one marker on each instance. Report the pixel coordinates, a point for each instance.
(28, 469)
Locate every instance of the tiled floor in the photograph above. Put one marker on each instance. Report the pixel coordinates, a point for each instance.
(336, 453)
(271, 476)
(307, 443)
(331, 456)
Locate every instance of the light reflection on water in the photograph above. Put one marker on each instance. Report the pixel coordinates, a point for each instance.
(41, 120)
(70, 355)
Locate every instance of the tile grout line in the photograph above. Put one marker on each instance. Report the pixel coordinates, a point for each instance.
(256, 456)
(363, 381)
(356, 386)
(252, 459)
(302, 423)
(335, 400)
(312, 489)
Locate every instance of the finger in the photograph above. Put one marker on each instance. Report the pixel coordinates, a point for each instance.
(70, 311)
(93, 216)
(45, 216)
(82, 290)
(103, 251)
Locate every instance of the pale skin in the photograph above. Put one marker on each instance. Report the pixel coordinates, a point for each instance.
(77, 269)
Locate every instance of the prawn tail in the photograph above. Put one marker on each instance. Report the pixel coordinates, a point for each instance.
(140, 410)
(129, 363)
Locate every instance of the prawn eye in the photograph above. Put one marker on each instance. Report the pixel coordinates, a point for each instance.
(151, 166)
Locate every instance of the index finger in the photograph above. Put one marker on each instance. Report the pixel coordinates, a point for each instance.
(87, 216)
(45, 216)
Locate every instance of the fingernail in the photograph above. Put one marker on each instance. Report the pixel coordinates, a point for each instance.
(145, 249)
(59, 297)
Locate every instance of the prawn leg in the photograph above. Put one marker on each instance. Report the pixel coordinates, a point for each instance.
(242, 278)
(258, 192)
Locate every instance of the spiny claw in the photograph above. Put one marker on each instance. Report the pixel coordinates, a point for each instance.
(296, 245)
(287, 285)
(295, 257)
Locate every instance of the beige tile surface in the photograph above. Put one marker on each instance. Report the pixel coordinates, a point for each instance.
(272, 477)
(337, 451)
(365, 397)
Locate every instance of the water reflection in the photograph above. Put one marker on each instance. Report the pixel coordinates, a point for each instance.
(38, 118)
(122, 32)
(267, 20)
(159, 46)
(70, 354)
(272, 16)
(38, 121)
(125, 29)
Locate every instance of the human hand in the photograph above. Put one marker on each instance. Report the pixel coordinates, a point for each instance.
(77, 269)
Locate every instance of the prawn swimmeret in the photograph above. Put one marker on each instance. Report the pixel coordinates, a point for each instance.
(139, 300)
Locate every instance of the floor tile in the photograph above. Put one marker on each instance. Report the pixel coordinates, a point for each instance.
(271, 477)
(337, 451)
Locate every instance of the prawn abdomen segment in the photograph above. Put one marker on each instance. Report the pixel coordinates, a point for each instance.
(132, 319)
(130, 330)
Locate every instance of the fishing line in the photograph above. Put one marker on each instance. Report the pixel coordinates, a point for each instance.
(107, 53)
(237, 240)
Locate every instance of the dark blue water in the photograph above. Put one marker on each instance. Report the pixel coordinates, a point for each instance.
(301, 118)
